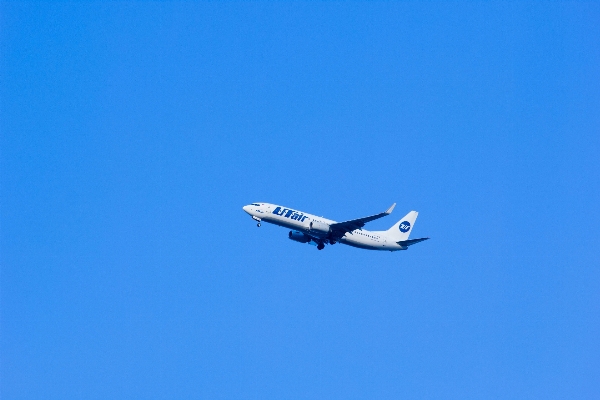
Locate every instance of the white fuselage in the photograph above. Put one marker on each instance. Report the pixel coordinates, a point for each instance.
(300, 221)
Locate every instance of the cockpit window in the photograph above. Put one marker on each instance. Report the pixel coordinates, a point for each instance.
(254, 204)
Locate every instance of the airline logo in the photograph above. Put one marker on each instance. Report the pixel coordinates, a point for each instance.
(291, 214)
(404, 226)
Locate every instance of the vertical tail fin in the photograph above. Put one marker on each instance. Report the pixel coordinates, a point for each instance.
(401, 230)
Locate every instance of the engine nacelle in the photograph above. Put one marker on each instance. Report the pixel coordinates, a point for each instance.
(299, 237)
(319, 227)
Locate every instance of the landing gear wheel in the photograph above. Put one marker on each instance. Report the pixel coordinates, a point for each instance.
(331, 241)
(320, 246)
(258, 224)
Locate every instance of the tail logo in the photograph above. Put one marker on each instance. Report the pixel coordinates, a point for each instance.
(404, 226)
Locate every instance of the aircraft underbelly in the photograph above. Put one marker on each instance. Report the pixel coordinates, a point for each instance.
(286, 224)
(367, 246)
(358, 244)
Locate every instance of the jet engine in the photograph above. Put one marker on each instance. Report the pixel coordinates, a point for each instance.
(299, 237)
(319, 227)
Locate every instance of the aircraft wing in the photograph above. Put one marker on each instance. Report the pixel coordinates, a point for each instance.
(340, 228)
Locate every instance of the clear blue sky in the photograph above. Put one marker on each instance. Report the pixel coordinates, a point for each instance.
(133, 133)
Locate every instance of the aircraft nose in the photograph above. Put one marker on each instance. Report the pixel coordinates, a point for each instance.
(246, 208)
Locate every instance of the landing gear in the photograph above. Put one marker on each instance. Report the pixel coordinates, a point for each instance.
(257, 220)
(258, 224)
(331, 241)
(320, 246)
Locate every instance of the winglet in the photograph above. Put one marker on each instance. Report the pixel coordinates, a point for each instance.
(389, 210)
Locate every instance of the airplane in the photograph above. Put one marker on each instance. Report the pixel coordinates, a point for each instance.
(311, 229)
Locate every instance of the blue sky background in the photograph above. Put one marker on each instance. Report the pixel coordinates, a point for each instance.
(133, 133)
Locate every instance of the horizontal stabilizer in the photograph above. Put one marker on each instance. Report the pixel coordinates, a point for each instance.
(410, 242)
